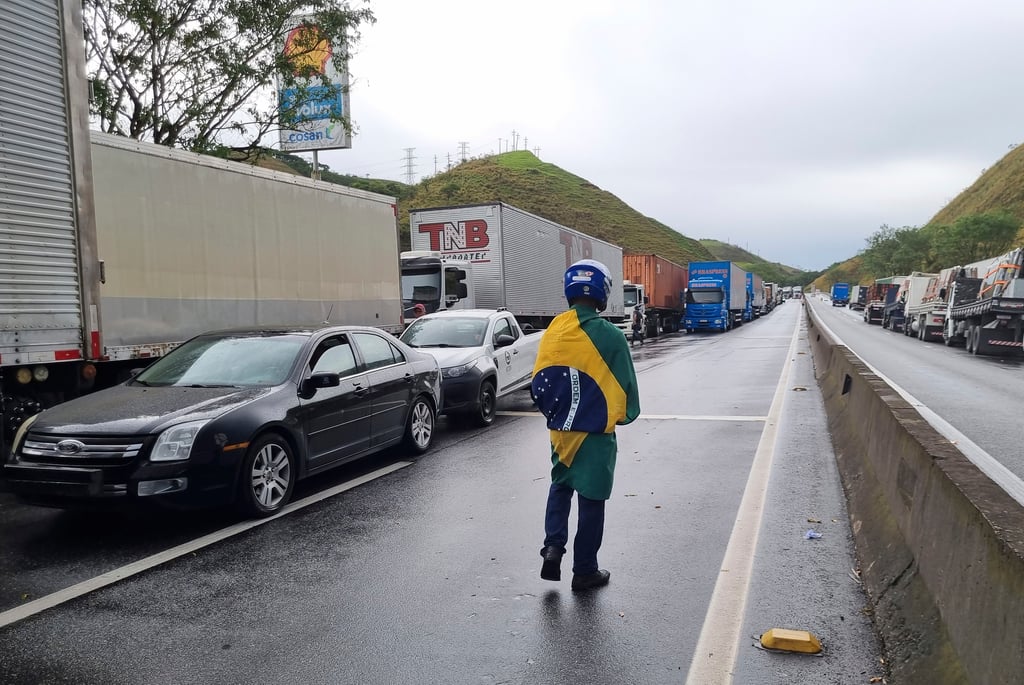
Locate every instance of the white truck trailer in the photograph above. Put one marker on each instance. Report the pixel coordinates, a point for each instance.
(517, 259)
(112, 251)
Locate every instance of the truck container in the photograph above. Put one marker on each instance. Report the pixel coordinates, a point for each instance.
(771, 296)
(112, 251)
(880, 294)
(658, 287)
(926, 320)
(992, 321)
(716, 296)
(858, 297)
(755, 297)
(517, 259)
(840, 294)
(910, 294)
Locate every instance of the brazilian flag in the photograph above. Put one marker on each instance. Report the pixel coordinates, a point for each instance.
(585, 385)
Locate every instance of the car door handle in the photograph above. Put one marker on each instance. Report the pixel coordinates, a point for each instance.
(359, 390)
(409, 378)
(515, 351)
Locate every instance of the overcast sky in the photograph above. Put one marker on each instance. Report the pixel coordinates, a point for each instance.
(792, 128)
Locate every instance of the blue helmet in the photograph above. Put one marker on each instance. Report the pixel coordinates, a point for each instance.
(588, 278)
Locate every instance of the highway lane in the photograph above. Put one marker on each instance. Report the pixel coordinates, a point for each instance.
(430, 573)
(978, 395)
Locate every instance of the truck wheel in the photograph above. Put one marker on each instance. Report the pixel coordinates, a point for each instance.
(268, 477)
(419, 429)
(488, 404)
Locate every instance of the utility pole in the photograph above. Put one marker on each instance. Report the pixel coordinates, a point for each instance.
(435, 165)
(449, 161)
(515, 140)
(463, 151)
(536, 151)
(526, 143)
(410, 165)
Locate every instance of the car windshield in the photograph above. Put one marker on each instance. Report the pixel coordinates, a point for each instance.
(226, 361)
(629, 297)
(445, 332)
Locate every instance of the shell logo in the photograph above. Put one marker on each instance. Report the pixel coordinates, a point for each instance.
(308, 50)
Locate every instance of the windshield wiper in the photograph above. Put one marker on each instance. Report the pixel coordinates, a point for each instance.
(210, 385)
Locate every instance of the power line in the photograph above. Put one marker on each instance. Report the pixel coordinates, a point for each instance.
(410, 165)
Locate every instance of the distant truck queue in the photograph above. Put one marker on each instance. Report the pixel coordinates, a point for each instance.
(978, 306)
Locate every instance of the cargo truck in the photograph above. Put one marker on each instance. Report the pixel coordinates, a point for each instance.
(881, 294)
(840, 294)
(516, 260)
(858, 297)
(658, 287)
(910, 294)
(992, 322)
(716, 296)
(755, 297)
(112, 252)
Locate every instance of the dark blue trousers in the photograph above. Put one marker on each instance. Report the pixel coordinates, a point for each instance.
(589, 527)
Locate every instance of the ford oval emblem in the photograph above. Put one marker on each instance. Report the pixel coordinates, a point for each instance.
(70, 446)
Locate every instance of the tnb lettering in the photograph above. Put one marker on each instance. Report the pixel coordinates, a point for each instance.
(576, 247)
(450, 236)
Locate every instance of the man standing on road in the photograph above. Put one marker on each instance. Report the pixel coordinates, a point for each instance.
(585, 385)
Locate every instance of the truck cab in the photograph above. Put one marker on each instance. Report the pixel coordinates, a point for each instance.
(634, 296)
(435, 282)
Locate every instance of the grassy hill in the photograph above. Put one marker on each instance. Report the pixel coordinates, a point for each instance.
(521, 179)
(1000, 187)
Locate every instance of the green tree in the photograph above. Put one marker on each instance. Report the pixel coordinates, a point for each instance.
(974, 237)
(895, 251)
(184, 72)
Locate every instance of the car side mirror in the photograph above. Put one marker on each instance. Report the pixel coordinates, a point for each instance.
(504, 340)
(321, 379)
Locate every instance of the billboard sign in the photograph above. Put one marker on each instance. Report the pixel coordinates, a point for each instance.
(317, 108)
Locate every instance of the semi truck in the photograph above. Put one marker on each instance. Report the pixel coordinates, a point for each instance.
(716, 296)
(112, 251)
(658, 287)
(992, 321)
(516, 260)
(858, 297)
(910, 294)
(755, 297)
(881, 294)
(840, 294)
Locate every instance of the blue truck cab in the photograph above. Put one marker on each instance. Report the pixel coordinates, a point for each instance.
(716, 296)
(840, 294)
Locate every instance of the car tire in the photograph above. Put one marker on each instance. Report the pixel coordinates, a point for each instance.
(420, 426)
(268, 477)
(487, 404)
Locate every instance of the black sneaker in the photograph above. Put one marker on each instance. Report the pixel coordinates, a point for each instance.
(552, 567)
(589, 581)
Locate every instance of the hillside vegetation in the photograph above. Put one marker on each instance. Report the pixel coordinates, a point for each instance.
(524, 181)
(984, 220)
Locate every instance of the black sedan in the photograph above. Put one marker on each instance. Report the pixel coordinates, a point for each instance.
(232, 416)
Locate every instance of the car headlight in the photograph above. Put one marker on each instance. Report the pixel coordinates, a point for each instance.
(20, 434)
(456, 371)
(175, 443)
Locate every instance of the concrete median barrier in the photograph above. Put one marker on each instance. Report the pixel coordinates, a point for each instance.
(941, 547)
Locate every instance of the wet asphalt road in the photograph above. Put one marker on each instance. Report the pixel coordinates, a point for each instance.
(430, 574)
(979, 395)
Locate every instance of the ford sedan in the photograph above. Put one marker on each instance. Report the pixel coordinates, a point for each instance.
(231, 417)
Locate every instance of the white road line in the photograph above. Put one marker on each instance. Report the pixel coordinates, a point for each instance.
(715, 656)
(61, 596)
(656, 417)
(989, 465)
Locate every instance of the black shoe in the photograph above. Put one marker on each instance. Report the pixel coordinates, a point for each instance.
(552, 567)
(589, 581)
